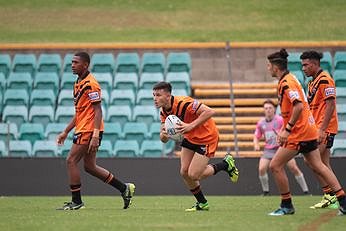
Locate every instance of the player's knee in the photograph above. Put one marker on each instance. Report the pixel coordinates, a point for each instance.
(89, 168)
(184, 172)
(262, 171)
(274, 167)
(194, 176)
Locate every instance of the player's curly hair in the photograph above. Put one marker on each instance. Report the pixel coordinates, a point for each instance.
(84, 56)
(279, 59)
(314, 55)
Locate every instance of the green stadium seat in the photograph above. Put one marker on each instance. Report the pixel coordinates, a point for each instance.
(154, 131)
(180, 92)
(300, 77)
(16, 97)
(341, 130)
(145, 97)
(19, 81)
(31, 132)
(126, 148)
(339, 60)
(169, 148)
(105, 80)
(153, 62)
(5, 64)
(179, 62)
(65, 98)
(126, 81)
(41, 97)
(339, 147)
(45, 148)
(151, 148)
(112, 132)
(326, 61)
(67, 65)
(24, 63)
(19, 148)
(67, 80)
(8, 131)
(64, 114)
(123, 97)
(41, 114)
(17, 114)
(179, 80)
(3, 151)
(127, 62)
(135, 131)
(105, 98)
(2, 82)
(340, 78)
(54, 129)
(102, 62)
(145, 113)
(49, 63)
(1, 104)
(341, 95)
(47, 80)
(148, 80)
(294, 61)
(119, 113)
(65, 148)
(105, 150)
(341, 110)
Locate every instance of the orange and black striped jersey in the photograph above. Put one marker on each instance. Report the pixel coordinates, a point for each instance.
(186, 109)
(322, 88)
(85, 93)
(289, 92)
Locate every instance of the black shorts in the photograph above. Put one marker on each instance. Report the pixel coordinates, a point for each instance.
(329, 140)
(199, 148)
(307, 146)
(85, 137)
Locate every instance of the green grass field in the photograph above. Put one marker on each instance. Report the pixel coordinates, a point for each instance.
(164, 213)
(166, 20)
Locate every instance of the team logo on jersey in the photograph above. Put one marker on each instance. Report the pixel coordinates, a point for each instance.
(329, 91)
(293, 94)
(94, 95)
(194, 105)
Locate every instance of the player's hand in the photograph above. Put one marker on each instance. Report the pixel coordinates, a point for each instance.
(94, 145)
(61, 138)
(283, 135)
(184, 128)
(322, 135)
(257, 147)
(163, 135)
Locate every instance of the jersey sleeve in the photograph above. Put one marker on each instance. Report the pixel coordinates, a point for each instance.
(94, 92)
(162, 117)
(327, 89)
(258, 131)
(292, 92)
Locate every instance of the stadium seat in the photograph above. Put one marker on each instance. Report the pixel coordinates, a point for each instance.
(67, 80)
(123, 97)
(41, 97)
(339, 60)
(41, 114)
(64, 114)
(65, 148)
(147, 80)
(126, 148)
(49, 63)
(341, 110)
(119, 113)
(5, 64)
(168, 148)
(341, 95)
(2, 82)
(24, 63)
(135, 131)
(145, 97)
(180, 92)
(105, 150)
(112, 132)
(300, 77)
(102, 62)
(151, 148)
(19, 81)
(16, 97)
(67, 65)
(126, 81)
(341, 130)
(339, 147)
(105, 80)
(45, 148)
(340, 78)
(31, 132)
(127, 62)
(326, 61)
(3, 151)
(153, 62)
(8, 131)
(179, 80)
(65, 98)
(15, 114)
(154, 131)
(19, 148)
(179, 62)
(146, 114)
(105, 98)
(47, 80)
(294, 61)
(54, 129)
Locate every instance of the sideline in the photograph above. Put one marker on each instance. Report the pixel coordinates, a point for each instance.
(315, 224)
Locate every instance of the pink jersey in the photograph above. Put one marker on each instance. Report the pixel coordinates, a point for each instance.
(269, 129)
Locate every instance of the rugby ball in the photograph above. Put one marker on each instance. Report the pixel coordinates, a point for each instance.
(171, 123)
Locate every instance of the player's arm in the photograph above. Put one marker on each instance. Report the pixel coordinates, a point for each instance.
(330, 107)
(256, 143)
(62, 136)
(94, 143)
(163, 134)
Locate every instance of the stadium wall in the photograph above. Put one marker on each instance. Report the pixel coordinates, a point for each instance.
(152, 176)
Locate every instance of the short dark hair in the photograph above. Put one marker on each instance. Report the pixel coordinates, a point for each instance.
(279, 59)
(314, 55)
(163, 85)
(84, 56)
(269, 101)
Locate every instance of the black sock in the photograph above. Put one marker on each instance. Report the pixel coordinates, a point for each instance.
(197, 192)
(115, 183)
(286, 200)
(75, 190)
(220, 166)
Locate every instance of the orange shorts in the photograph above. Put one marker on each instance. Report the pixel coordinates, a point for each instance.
(202, 149)
(84, 137)
(301, 146)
